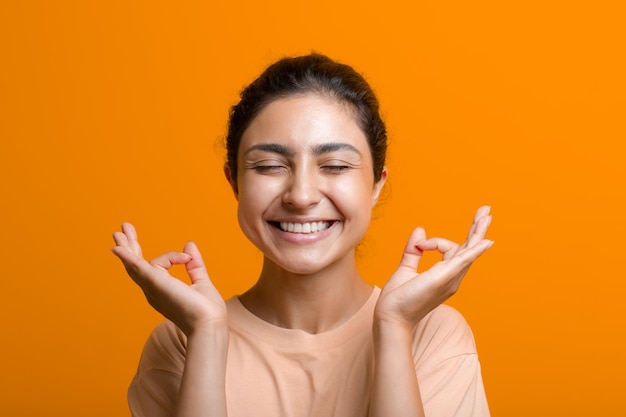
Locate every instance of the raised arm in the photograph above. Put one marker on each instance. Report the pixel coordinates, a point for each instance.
(197, 309)
(405, 300)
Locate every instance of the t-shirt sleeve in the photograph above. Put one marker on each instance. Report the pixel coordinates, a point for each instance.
(154, 389)
(447, 366)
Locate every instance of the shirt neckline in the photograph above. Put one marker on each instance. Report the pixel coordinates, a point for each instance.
(244, 322)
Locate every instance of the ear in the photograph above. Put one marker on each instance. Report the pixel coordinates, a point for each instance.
(231, 181)
(378, 187)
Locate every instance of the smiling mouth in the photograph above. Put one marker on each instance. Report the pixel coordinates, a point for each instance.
(304, 228)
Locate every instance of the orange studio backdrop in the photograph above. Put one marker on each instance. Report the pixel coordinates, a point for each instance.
(113, 111)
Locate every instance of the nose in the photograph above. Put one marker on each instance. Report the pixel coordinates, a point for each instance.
(303, 190)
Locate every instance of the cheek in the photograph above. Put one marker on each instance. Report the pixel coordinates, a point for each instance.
(256, 195)
(354, 195)
(250, 214)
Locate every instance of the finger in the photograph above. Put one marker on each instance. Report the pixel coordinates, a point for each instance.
(480, 213)
(121, 239)
(450, 273)
(169, 259)
(198, 272)
(412, 251)
(465, 257)
(131, 236)
(138, 268)
(124, 254)
(444, 246)
(195, 267)
(479, 231)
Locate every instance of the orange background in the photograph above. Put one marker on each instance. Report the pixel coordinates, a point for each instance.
(112, 111)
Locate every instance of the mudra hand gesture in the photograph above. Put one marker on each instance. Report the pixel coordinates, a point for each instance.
(408, 296)
(190, 307)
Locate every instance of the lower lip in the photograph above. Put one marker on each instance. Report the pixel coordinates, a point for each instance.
(304, 237)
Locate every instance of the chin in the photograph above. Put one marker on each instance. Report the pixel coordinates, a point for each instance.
(300, 266)
(301, 269)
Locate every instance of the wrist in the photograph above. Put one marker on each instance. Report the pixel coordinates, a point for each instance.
(392, 331)
(213, 329)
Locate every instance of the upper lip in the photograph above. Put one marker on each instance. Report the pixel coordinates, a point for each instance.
(301, 220)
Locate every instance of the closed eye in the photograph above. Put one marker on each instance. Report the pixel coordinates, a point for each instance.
(268, 168)
(336, 168)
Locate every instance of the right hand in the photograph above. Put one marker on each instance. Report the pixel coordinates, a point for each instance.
(190, 307)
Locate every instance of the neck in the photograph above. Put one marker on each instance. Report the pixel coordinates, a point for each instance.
(314, 302)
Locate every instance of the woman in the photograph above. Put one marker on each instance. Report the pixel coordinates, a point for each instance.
(306, 151)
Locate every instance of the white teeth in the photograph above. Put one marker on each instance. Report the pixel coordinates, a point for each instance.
(312, 227)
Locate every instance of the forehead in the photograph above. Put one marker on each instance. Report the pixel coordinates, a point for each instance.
(302, 122)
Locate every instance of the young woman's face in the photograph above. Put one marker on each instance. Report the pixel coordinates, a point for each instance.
(305, 183)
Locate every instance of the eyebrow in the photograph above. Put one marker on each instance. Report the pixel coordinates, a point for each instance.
(317, 149)
(270, 147)
(332, 147)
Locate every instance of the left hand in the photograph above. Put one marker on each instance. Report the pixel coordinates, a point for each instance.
(408, 296)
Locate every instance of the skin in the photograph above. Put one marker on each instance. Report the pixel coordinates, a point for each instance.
(304, 159)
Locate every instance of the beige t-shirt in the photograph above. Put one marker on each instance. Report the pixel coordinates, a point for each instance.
(275, 372)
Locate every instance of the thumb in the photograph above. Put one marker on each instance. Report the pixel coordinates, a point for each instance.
(195, 267)
(412, 253)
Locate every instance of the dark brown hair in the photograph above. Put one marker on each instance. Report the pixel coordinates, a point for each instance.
(312, 73)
